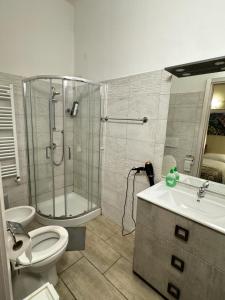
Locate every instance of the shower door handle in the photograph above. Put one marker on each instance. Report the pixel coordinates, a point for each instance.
(69, 152)
(47, 152)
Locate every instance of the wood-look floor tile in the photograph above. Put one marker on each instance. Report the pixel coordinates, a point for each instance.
(124, 245)
(132, 287)
(98, 252)
(86, 282)
(103, 227)
(67, 260)
(63, 291)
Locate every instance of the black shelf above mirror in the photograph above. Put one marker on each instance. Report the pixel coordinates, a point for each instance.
(213, 65)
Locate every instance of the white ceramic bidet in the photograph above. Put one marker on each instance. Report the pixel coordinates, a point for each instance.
(20, 214)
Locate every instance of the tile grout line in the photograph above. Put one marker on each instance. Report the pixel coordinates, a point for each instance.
(111, 236)
(72, 264)
(92, 231)
(106, 241)
(106, 278)
(100, 236)
(96, 266)
(115, 287)
(112, 264)
(75, 298)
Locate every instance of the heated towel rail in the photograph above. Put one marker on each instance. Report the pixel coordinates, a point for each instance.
(8, 141)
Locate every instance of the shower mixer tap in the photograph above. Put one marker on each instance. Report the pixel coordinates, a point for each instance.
(54, 146)
(51, 147)
(54, 93)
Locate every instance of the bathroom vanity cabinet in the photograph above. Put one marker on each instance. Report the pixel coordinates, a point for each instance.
(178, 257)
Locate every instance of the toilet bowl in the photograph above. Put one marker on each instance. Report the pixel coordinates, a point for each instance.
(20, 214)
(47, 246)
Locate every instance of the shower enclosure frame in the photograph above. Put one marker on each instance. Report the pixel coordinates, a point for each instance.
(92, 213)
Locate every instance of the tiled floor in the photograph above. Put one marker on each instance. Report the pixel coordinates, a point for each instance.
(104, 269)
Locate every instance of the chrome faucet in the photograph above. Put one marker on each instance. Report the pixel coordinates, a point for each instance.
(202, 190)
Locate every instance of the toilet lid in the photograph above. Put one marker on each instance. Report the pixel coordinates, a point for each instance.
(46, 241)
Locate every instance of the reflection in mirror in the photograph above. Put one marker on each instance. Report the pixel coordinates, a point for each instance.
(195, 136)
(213, 159)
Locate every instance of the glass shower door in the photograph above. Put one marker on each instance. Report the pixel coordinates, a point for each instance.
(40, 166)
(82, 147)
(94, 146)
(56, 147)
(75, 150)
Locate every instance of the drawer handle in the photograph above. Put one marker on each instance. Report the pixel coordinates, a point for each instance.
(173, 290)
(177, 263)
(181, 233)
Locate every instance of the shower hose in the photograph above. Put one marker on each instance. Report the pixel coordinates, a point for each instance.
(62, 157)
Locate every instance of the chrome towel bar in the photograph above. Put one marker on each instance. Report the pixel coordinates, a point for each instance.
(142, 120)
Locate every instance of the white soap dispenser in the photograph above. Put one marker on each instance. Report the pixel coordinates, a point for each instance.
(188, 162)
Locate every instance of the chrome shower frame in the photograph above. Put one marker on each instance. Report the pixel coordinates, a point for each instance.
(64, 79)
(79, 79)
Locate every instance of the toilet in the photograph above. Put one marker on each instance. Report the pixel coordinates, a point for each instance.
(47, 246)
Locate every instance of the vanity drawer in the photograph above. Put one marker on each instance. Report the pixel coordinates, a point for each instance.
(195, 238)
(170, 269)
(164, 224)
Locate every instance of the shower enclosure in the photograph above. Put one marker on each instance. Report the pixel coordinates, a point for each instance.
(63, 140)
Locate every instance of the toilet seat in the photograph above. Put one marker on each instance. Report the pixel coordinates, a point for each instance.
(46, 242)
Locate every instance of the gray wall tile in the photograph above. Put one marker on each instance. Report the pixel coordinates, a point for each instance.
(128, 145)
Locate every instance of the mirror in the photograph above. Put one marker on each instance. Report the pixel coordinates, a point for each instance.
(195, 137)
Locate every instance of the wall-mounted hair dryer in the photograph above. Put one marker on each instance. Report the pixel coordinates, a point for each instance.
(148, 168)
(149, 172)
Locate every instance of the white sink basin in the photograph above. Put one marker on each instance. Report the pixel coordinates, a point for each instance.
(20, 214)
(210, 211)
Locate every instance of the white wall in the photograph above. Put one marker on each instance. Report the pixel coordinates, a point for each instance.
(116, 38)
(36, 37)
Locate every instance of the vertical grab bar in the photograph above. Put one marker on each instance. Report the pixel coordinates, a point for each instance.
(69, 152)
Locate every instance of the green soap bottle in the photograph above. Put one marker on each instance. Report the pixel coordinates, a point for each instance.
(177, 175)
(171, 178)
